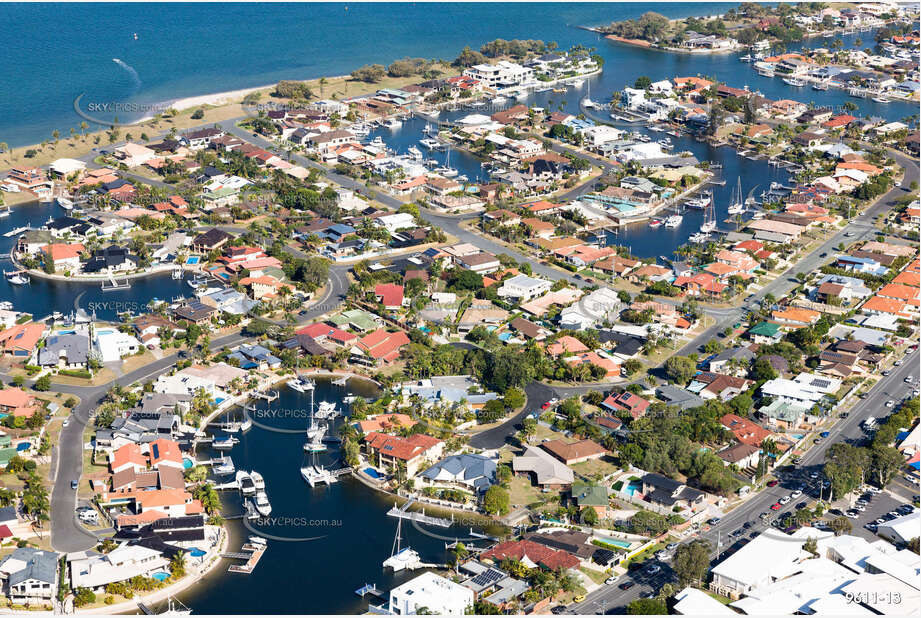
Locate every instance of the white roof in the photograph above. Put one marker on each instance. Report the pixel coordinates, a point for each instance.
(694, 602)
(67, 166)
(770, 555)
(905, 527)
(815, 578)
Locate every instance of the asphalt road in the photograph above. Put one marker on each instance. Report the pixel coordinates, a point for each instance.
(891, 387)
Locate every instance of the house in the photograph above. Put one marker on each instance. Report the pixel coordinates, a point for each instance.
(783, 415)
(121, 564)
(66, 350)
(532, 555)
(209, 241)
(770, 556)
(732, 360)
(805, 389)
(545, 470)
(522, 288)
(529, 329)
(626, 402)
(65, 257)
(390, 295)
(19, 341)
(575, 452)
(765, 333)
(195, 312)
(30, 576)
(466, 471)
(379, 347)
(110, 259)
(668, 493)
(588, 495)
(387, 452)
(741, 455)
(796, 316)
(481, 262)
(430, 593)
(133, 155)
(744, 430)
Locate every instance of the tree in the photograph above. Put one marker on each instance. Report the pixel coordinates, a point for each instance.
(514, 398)
(642, 83)
(43, 383)
(692, 561)
(496, 500)
(646, 607)
(841, 525)
(589, 516)
(680, 369)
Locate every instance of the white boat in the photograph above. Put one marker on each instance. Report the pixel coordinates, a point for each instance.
(17, 278)
(578, 83)
(431, 143)
(64, 203)
(6, 305)
(301, 384)
(794, 81)
(258, 540)
(765, 71)
(223, 444)
(700, 202)
(430, 130)
(393, 124)
(4, 212)
(746, 58)
(673, 221)
(698, 237)
(262, 504)
(880, 100)
(588, 103)
(820, 86)
(246, 425)
(245, 481)
(315, 445)
(736, 205)
(317, 475)
(360, 130)
(521, 96)
(225, 468)
(198, 281)
(735, 209)
(258, 481)
(655, 223)
(414, 153)
(378, 142)
(499, 100)
(446, 170)
(405, 558)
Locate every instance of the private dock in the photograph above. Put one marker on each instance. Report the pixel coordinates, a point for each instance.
(270, 396)
(404, 513)
(18, 230)
(369, 589)
(252, 553)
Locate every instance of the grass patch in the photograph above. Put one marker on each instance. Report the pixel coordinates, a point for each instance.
(596, 576)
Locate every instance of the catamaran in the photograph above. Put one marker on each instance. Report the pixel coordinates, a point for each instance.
(431, 143)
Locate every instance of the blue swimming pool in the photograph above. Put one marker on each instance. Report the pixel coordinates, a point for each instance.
(193, 259)
(197, 553)
(505, 336)
(374, 474)
(614, 542)
(187, 463)
(161, 576)
(633, 487)
(23, 446)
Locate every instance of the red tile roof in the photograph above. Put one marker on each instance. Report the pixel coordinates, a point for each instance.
(547, 557)
(389, 294)
(401, 448)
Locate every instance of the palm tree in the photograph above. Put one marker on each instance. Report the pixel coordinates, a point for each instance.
(460, 552)
(323, 83)
(177, 565)
(83, 128)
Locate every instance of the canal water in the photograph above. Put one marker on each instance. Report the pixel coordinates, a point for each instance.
(352, 535)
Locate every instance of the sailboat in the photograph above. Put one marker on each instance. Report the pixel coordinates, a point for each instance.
(446, 170)
(587, 101)
(315, 430)
(709, 224)
(736, 205)
(401, 558)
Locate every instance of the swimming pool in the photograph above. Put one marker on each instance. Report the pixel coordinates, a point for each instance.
(197, 553)
(374, 474)
(505, 336)
(633, 487)
(187, 463)
(193, 259)
(104, 331)
(614, 542)
(161, 576)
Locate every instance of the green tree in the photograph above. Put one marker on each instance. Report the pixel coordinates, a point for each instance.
(646, 607)
(496, 500)
(692, 561)
(680, 369)
(43, 383)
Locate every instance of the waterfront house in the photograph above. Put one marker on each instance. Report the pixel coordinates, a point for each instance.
(29, 576)
(467, 471)
(65, 350)
(532, 555)
(19, 341)
(65, 257)
(121, 564)
(545, 470)
(202, 138)
(209, 241)
(386, 452)
(430, 593)
(194, 311)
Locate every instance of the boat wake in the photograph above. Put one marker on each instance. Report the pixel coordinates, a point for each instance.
(134, 74)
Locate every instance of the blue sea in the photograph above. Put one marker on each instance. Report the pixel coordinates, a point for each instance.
(182, 49)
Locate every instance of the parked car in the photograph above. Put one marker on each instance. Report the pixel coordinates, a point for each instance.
(776, 506)
(627, 585)
(610, 580)
(772, 483)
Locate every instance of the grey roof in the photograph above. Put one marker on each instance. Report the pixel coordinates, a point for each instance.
(40, 565)
(473, 470)
(72, 346)
(676, 396)
(741, 353)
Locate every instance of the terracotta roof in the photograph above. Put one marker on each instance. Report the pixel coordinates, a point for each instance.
(401, 448)
(547, 557)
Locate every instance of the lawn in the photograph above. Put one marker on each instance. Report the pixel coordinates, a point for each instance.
(596, 467)
(596, 576)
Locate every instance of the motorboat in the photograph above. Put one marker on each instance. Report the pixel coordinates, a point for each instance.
(447, 172)
(430, 129)
(360, 130)
(258, 481)
(64, 203)
(225, 468)
(393, 124)
(746, 58)
(673, 221)
(578, 83)
(245, 481)
(224, 444)
(655, 223)
(431, 143)
(798, 82)
(588, 103)
(6, 305)
(880, 100)
(701, 202)
(378, 142)
(698, 237)
(198, 281)
(499, 100)
(820, 86)
(301, 384)
(18, 277)
(262, 504)
(414, 153)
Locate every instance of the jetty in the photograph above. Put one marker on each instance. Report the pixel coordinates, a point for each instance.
(369, 589)
(114, 284)
(270, 396)
(404, 513)
(18, 230)
(252, 552)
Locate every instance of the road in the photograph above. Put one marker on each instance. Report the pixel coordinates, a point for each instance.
(891, 387)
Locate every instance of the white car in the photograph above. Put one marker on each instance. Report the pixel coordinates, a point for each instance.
(852, 514)
(610, 580)
(784, 500)
(796, 494)
(10, 188)
(890, 403)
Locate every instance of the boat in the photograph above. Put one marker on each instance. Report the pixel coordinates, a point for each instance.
(64, 203)
(746, 58)
(446, 170)
(701, 202)
(360, 130)
(393, 124)
(223, 444)
(673, 221)
(799, 82)
(431, 143)
(820, 86)
(857, 93)
(578, 83)
(673, 133)
(6, 305)
(176, 273)
(521, 96)
(245, 481)
(430, 129)
(4, 212)
(378, 142)
(709, 224)
(263, 506)
(246, 425)
(559, 90)
(880, 100)
(225, 468)
(414, 153)
(588, 103)
(316, 475)
(499, 100)
(655, 223)
(258, 481)
(173, 606)
(198, 281)
(698, 237)
(736, 205)
(342, 381)
(301, 384)
(17, 278)
(258, 540)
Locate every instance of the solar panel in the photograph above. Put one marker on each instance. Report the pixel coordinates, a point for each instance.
(488, 578)
(821, 383)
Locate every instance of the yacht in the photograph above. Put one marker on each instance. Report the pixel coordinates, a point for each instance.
(315, 475)
(245, 481)
(708, 226)
(736, 205)
(588, 103)
(746, 58)
(701, 202)
(360, 130)
(224, 444)
(698, 237)
(393, 124)
(225, 468)
(799, 82)
(446, 170)
(655, 223)
(6, 305)
(578, 83)
(378, 142)
(261, 503)
(430, 130)
(258, 481)
(499, 100)
(301, 384)
(735, 209)
(673, 221)
(880, 100)
(17, 278)
(414, 153)
(431, 143)
(820, 86)
(64, 203)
